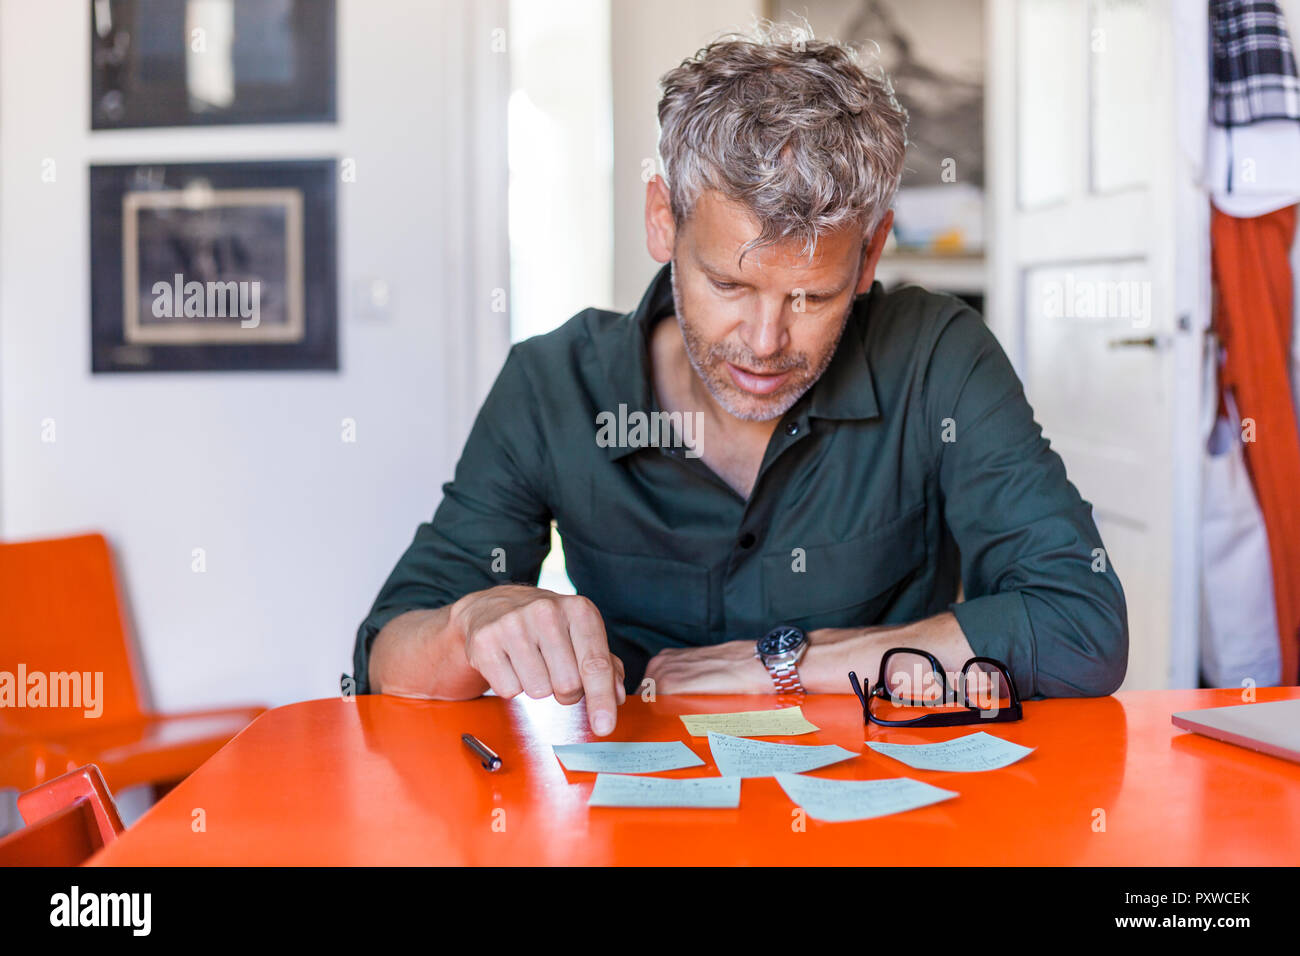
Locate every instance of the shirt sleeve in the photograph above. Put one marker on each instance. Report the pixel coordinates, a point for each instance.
(493, 525)
(1041, 593)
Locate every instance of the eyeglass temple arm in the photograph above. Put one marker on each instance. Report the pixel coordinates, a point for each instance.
(857, 689)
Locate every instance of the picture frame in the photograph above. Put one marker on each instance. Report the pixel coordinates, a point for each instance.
(214, 266)
(938, 75)
(214, 62)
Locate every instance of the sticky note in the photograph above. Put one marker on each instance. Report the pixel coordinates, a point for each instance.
(738, 757)
(627, 757)
(624, 790)
(785, 722)
(837, 801)
(978, 751)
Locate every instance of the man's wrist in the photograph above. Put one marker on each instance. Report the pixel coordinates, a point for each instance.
(833, 652)
(456, 612)
(460, 610)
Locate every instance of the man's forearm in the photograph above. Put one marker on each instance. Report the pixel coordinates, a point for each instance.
(833, 652)
(422, 654)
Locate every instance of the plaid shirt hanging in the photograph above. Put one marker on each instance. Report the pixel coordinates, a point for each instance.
(1254, 71)
(1253, 74)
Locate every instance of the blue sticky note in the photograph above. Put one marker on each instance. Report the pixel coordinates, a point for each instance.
(624, 790)
(739, 757)
(627, 757)
(979, 751)
(837, 801)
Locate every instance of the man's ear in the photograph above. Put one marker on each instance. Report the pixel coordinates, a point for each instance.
(660, 230)
(872, 254)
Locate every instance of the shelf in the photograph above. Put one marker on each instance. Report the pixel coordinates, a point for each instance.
(965, 273)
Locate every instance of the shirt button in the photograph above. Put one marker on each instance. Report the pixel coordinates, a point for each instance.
(747, 540)
(792, 428)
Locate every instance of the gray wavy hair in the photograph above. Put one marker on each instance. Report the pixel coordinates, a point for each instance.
(797, 129)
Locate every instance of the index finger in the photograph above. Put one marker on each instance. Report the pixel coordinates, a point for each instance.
(591, 647)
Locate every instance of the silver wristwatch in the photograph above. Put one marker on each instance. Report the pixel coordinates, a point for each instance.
(780, 651)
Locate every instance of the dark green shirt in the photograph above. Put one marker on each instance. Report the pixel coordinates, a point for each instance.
(912, 463)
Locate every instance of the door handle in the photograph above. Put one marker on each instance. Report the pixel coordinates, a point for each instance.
(1144, 341)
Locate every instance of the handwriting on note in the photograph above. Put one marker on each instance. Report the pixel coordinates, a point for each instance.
(979, 751)
(738, 757)
(627, 757)
(784, 722)
(837, 801)
(624, 790)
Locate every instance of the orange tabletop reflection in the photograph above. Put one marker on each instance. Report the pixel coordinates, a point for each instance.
(383, 780)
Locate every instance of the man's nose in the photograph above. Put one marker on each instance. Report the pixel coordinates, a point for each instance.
(766, 333)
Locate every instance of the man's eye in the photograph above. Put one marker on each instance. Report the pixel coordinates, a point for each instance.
(724, 286)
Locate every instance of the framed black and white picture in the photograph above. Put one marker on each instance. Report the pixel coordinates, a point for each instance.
(213, 266)
(931, 52)
(206, 62)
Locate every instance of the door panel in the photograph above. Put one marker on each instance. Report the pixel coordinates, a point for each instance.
(1082, 143)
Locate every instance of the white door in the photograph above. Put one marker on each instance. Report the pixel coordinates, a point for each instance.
(1099, 255)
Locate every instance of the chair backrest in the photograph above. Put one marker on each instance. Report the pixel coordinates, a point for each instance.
(66, 838)
(68, 819)
(63, 641)
(83, 784)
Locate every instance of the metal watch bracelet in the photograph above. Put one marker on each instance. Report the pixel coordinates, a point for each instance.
(786, 678)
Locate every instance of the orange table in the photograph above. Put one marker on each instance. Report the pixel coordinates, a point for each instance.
(381, 780)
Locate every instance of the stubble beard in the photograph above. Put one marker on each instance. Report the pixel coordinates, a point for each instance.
(709, 362)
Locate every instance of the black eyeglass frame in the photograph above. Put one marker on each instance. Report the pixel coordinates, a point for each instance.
(952, 718)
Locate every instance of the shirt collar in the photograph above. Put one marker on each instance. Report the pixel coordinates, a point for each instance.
(845, 390)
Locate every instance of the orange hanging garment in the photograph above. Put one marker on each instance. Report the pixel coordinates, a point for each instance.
(1252, 313)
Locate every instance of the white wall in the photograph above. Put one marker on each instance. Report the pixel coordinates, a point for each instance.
(299, 528)
(561, 163)
(648, 40)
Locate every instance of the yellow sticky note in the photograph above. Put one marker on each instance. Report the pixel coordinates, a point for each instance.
(786, 722)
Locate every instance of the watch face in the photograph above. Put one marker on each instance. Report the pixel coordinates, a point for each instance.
(781, 640)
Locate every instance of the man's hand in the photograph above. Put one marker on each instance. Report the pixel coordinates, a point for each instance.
(729, 668)
(527, 640)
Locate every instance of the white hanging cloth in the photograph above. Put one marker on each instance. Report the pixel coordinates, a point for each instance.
(1238, 638)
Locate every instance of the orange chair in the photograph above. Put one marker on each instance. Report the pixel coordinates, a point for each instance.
(60, 615)
(68, 819)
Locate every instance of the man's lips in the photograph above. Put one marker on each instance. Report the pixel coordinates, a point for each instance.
(755, 382)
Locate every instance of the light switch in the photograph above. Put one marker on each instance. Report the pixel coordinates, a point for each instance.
(372, 299)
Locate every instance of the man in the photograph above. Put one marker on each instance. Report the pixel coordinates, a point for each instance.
(821, 451)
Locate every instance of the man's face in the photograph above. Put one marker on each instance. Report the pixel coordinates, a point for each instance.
(759, 334)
